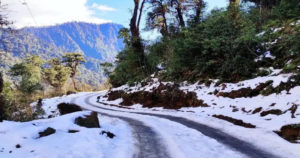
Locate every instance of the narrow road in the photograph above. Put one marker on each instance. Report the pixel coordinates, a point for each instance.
(148, 142)
(146, 134)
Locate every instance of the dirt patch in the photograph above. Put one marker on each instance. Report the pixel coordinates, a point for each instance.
(292, 82)
(47, 132)
(257, 110)
(290, 132)
(66, 108)
(113, 95)
(235, 121)
(272, 112)
(89, 121)
(166, 96)
(245, 92)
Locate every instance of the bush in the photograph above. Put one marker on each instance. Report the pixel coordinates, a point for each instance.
(221, 46)
(130, 68)
(288, 9)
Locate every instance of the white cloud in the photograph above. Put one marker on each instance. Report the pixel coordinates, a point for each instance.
(102, 7)
(49, 12)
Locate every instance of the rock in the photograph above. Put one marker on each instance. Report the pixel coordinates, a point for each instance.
(40, 102)
(113, 95)
(245, 92)
(89, 121)
(290, 132)
(72, 131)
(47, 132)
(70, 92)
(257, 110)
(66, 108)
(18, 146)
(272, 112)
(108, 134)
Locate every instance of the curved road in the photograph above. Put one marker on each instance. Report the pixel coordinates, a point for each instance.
(149, 139)
(148, 142)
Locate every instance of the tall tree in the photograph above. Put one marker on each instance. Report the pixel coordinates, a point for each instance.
(179, 7)
(264, 3)
(235, 2)
(157, 17)
(136, 18)
(1, 82)
(57, 74)
(73, 60)
(30, 71)
(136, 41)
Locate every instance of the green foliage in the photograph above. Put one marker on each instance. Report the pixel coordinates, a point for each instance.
(30, 72)
(73, 60)
(57, 74)
(219, 47)
(129, 68)
(224, 45)
(2, 99)
(288, 9)
(107, 68)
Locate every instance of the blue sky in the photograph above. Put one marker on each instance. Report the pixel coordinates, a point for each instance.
(25, 13)
(121, 14)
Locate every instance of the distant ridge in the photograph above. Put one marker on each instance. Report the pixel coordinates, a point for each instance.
(98, 42)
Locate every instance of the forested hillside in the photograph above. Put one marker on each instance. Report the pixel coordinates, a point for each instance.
(98, 43)
(232, 44)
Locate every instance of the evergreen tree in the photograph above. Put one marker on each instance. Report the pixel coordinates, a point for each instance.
(2, 101)
(57, 74)
(73, 60)
(30, 71)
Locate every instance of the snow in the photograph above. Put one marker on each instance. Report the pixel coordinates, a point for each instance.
(267, 54)
(88, 142)
(181, 141)
(262, 136)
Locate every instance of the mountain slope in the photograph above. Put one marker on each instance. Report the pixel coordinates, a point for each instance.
(98, 43)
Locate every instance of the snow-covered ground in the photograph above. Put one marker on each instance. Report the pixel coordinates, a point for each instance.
(262, 136)
(21, 140)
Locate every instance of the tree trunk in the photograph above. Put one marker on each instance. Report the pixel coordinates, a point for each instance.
(135, 32)
(133, 22)
(1, 83)
(74, 83)
(180, 16)
(199, 6)
(165, 28)
(140, 16)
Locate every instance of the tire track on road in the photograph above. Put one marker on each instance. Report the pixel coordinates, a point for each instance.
(148, 142)
(222, 137)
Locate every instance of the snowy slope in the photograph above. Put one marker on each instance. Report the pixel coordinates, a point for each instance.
(21, 140)
(262, 136)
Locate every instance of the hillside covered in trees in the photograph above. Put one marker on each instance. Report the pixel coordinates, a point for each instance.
(232, 44)
(98, 43)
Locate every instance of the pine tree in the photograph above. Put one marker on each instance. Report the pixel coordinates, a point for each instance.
(30, 71)
(73, 60)
(57, 74)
